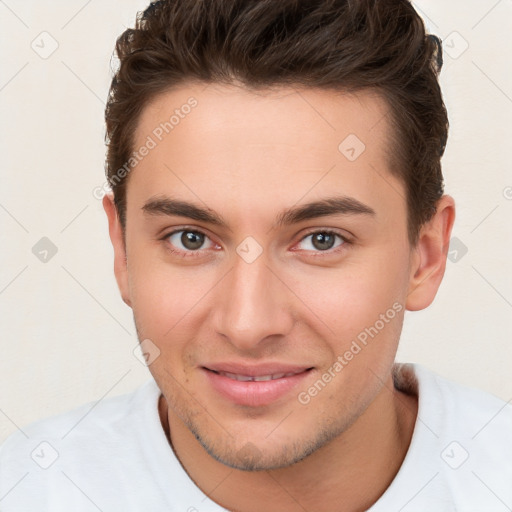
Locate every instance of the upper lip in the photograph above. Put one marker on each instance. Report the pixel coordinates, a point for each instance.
(256, 370)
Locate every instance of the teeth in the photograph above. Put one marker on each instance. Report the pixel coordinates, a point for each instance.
(236, 377)
(259, 378)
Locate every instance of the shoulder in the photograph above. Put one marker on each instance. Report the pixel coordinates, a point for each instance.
(41, 452)
(462, 408)
(455, 411)
(87, 420)
(461, 444)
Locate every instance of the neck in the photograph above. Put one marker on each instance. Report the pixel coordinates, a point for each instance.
(349, 473)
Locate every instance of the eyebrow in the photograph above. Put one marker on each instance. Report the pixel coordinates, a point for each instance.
(329, 206)
(341, 205)
(163, 205)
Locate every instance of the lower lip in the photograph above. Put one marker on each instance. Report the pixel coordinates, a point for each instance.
(254, 393)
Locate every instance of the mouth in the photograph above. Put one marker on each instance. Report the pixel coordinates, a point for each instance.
(255, 378)
(254, 386)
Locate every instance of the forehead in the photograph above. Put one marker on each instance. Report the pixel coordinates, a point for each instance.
(319, 118)
(228, 143)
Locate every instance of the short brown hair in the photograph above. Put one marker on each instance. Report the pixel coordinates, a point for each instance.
(345, 45)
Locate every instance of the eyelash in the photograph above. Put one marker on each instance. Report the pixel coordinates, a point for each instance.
(197, 253)
(329, 252)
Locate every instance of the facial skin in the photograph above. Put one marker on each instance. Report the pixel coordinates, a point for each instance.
(246, 158)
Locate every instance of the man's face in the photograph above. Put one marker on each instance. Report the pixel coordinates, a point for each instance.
(249, 296)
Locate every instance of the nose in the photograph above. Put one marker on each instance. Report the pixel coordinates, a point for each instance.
(253, 306)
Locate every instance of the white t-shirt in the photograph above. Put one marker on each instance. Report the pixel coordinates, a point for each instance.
(113, 456)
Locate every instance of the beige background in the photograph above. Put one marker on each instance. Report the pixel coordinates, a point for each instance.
(67, 338)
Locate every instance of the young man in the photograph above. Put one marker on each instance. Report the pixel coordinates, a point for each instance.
(277, 206)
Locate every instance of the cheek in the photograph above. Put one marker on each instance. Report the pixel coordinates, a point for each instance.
(163, 307)
(162, 301)
(349, 299)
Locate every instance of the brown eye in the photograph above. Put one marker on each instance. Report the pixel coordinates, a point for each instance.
(187, 240)
(321, 241)
(192, 240)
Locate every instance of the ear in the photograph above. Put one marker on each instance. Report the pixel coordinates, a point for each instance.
(116, 237)
(428, 260)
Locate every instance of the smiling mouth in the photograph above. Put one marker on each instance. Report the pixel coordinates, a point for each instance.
(256, 378)
(264, 387)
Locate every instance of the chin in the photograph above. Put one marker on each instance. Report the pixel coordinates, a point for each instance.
(264, 455)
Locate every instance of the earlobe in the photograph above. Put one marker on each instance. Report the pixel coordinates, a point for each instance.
(429, 256)
(116, 237)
